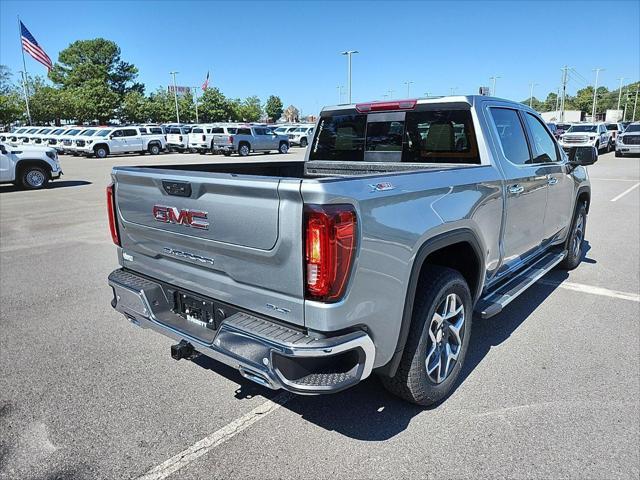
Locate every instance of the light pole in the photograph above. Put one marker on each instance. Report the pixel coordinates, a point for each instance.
(175, 94)
(408, 84)
(493, 84)
(532, 85)
(595, 94)
(349, 53)
(620, 92)
(635, 104)
(391, 93)
(426, 94)
(453, 90)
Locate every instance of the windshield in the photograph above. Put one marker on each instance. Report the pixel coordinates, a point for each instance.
(33, 130)
(633, 128)
(612, 126)
(58, 131)
(583, 128)
(174, 131)
(73, 132)
(197, 130)
(20, 130)
(46, 130)
(103, 133)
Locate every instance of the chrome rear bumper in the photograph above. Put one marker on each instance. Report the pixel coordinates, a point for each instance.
(266, 352)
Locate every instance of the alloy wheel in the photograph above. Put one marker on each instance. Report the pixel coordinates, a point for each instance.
(35, 178)
(578, 236)
(446, 330)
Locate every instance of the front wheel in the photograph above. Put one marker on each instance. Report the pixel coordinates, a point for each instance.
(284, 148)
(34, 178)
(575, 242)
(154, 149)
(619, 154)
(101, 152)
(303, 143)
(438, 338)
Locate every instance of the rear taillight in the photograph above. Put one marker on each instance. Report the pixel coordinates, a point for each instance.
(230, 139)
(111, 210)
(330, 243)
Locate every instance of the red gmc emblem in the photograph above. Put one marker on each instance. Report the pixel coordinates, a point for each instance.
(189, 218)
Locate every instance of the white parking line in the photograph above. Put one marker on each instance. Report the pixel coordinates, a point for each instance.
(614, 179)
(628, 190)
(605, 292)
(218, 437)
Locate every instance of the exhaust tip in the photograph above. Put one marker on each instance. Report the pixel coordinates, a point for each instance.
(182, 350)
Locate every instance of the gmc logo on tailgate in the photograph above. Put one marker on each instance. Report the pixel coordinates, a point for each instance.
(189, 218)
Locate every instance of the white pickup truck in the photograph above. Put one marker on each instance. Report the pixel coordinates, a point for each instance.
(122, 140)
(27, 166)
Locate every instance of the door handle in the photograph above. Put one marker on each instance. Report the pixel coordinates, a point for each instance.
(516, 189)
(552, 180)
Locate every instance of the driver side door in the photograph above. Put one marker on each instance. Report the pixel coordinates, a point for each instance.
(6, 165)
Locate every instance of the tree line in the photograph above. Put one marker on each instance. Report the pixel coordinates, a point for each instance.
(91, 83)
(583, 100)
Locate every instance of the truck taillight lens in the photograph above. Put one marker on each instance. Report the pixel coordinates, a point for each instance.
(330, 243)
(111, 210)
(230, 139)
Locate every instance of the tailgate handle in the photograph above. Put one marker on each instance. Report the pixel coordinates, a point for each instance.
(178, 189)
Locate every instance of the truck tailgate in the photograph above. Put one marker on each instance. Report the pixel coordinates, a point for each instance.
(253, 235)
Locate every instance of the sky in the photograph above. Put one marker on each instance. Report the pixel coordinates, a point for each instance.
(292, 49)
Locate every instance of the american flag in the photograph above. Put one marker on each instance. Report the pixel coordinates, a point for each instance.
(30, 45)
(206, 82)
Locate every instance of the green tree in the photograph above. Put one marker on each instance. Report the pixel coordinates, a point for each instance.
(11, 102)
(90, 61)
(187, 107)
(250, 109)
(92, 101)
(134, 108)
(214, 107)
(274, 108)
(47, 103)
(161, 106)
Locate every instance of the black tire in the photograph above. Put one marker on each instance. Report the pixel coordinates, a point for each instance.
(610, 147)
(227, 154)
(34, 177)
(575, 241)
(101, 151)
(244, 149)
(266, 152)
(213, 148)
(619, 154)
(154, 149)
(412, 382)
(283, 148)
(303, 142)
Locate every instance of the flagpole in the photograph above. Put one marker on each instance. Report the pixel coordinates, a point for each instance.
(25, 75)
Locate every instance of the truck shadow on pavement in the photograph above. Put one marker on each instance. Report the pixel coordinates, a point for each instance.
(53, 185)
(368, 412)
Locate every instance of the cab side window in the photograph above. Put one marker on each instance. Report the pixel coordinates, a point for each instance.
(542, 144)
(117, 134)
(511, 134)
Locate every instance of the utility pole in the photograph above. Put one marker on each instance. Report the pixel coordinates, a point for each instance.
(349, 54)
(557, 99)
(635, 104)
(453, 90)
(532, 85)
(339, 89)
(493, 85)
(564, 91)
(175, 95)
(595, 94)
(620, 92)
(408, 84)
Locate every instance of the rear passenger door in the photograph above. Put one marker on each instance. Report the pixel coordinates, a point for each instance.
(559, 210)
(133, 139)
(525, 189)
(262, 140)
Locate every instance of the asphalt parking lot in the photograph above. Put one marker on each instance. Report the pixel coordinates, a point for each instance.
(550, 389)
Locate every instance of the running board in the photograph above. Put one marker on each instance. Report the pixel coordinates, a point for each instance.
(495, 301)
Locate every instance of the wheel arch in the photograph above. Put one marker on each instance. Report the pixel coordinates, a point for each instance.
(101, 145)
(584, 196)
(31, 162)
(458, 249)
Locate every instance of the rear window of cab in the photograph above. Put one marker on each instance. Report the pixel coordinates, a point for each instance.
(433, 136)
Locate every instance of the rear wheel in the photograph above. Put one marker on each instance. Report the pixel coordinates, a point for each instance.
(303, 142)
(34, 178)
(244, 149)
(284, 148)
(619, 153)
(227, 154)
(575, 242)
(154, 149)
(438, 338)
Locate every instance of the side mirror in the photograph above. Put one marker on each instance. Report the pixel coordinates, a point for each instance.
(583, 156)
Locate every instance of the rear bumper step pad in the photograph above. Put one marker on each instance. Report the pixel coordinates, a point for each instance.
(265, 352)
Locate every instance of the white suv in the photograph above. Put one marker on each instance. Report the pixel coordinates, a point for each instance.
(587, 134)
(301, 135)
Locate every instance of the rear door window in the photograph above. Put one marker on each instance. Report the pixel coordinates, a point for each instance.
(511, 135)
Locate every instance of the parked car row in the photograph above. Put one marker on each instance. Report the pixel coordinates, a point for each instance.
(225, 138)
(603, 136)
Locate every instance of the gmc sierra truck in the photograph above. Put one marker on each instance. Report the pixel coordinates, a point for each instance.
(405, 220)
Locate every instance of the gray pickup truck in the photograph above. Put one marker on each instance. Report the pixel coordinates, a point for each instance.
(247, 138)
(373, 255)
